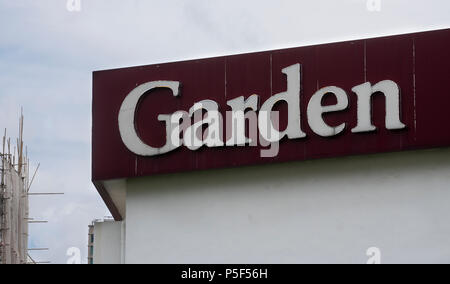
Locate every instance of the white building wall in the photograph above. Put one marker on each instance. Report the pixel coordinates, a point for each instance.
(107, 242)
(322, 211)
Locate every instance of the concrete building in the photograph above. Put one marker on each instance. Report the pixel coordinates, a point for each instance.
(329, 197)
(105, 242)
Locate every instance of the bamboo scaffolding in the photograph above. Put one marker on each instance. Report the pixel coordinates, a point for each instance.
(14, 185)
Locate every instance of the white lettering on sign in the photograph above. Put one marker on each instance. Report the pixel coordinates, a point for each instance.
(315, 111)
(392, 93)
(206, 130)
(292, 98)
(127, 114)
(239, 106)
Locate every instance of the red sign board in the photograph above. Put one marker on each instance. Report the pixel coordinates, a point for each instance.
(415, 65)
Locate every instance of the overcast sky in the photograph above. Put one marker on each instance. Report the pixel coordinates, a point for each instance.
(48, 53)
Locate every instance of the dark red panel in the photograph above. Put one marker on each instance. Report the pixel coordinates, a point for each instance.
(432, 73)
(418, 63)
